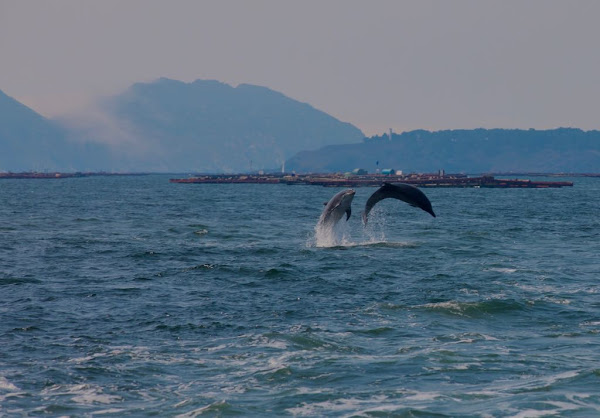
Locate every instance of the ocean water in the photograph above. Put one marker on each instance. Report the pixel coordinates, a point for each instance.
(134, 296)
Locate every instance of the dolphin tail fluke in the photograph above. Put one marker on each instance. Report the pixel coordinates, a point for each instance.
(380, 194)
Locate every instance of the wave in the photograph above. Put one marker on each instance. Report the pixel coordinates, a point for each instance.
(475, 309)
(506, 270)
(6, 281)
(5, 385)
(205, 266)
(92, 219)
(82, 394)
(383, 244)
(373, 406)
(216, 408)
(276, 273)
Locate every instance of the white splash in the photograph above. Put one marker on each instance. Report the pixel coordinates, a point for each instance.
(332, 236)
(341, 234)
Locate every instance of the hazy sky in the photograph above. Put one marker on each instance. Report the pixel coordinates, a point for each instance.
(377, 64)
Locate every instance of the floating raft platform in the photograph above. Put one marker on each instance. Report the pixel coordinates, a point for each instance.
(374, 180)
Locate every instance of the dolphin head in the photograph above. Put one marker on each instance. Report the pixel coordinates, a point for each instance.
(348, 195)
(345, 199)
(426, 206)
(430, 211)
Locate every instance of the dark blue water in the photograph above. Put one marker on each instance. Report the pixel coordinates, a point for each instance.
(134, 296)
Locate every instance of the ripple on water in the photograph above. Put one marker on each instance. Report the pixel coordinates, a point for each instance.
(10, 280)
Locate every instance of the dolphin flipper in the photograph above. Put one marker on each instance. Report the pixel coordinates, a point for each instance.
(401, 191)
(348, 213)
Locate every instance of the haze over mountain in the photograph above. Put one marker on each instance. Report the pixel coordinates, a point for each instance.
(469, 151)
(209, 126)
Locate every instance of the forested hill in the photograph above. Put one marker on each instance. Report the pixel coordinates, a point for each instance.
(469, 151)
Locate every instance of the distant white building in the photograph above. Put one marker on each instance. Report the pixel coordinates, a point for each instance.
(359, 171)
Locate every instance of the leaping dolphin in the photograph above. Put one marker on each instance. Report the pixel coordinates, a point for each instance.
(336, 207)
(401, 191)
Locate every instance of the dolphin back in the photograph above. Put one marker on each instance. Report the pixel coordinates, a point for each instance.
(405, 192)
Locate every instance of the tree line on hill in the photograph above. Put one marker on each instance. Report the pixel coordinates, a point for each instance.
(564, 150)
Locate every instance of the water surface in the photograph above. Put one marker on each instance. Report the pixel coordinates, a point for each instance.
(131, 295)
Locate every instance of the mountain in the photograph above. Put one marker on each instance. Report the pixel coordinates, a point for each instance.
(27, 139)
(209, 126)
(169, 125)
(469, 151)
(30, 142)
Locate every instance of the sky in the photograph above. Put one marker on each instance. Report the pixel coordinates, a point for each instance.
(422, 64)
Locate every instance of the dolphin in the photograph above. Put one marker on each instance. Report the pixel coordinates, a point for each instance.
(401, 191)
(336, 207)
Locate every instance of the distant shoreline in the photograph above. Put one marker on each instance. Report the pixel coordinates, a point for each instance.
(65, 175)
(59, 175)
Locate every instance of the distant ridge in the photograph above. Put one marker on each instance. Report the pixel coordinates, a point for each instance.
(209, 126)
(468, 151)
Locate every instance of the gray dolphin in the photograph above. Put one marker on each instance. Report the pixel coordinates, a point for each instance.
(401, 191)
(336, 207)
